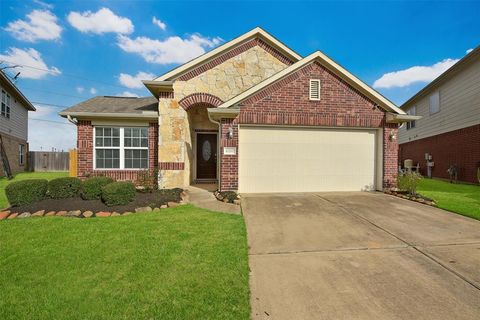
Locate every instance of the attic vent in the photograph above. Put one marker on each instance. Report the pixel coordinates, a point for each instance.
(314, 89)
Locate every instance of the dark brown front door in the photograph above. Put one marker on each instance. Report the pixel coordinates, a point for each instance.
(206, 156)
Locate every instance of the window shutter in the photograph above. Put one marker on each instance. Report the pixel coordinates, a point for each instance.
(314, 89)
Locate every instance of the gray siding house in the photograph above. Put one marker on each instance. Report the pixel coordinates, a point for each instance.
(13, 124)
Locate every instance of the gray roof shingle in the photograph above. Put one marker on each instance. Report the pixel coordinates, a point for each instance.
(109, 104)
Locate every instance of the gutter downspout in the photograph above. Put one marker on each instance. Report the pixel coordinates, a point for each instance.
(219, 158)
(72, 120)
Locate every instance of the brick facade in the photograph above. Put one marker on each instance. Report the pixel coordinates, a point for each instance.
(287, 102)
(460, 147)
(11, 145)
(85, 159)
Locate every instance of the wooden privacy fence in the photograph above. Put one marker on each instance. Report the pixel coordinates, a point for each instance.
(73, 163)
(48, 161)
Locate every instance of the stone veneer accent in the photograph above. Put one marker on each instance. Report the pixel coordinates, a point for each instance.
(208, 85)
(11, 145)
(85, 153)
(460, 147)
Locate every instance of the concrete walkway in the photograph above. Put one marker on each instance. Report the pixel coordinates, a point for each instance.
(360, 256)
(202, 197)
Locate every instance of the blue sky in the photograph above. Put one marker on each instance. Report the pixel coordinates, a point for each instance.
(85, 48)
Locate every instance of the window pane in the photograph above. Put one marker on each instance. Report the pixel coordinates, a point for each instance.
(145, 143)
(107, 142)
(98, 142)
(136, 163)
(135, 143)
(100, 163)
(128, 132)
(100, 154)
(136, 132)
(128, 163)
(116, 154)
(99, 132)
(136, 154)
(115, 132)
(116, 142)
(108, 163)
(143, 132)
(116, 163)
(107, 132)
(144, 163)
(128, 142)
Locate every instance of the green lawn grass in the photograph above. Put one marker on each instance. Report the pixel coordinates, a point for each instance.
(460, 198)
(23, 176)
(179, 263)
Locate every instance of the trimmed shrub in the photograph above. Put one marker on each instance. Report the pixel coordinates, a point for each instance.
(61, 188)
(118, 193)
(26, 191)
(408, 182)
(92, 187)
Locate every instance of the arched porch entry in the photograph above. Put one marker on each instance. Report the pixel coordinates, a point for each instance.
(202, 138)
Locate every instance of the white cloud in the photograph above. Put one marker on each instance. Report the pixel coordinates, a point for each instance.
(42, 111)
(469, 50)
(127, 94)
(44, 4)
(93, 91)
(406, 77)
(80, 89)
(31, 63)
(102, 21)
(159, 23)
(135, 81)
(171, 50)
(41, 25)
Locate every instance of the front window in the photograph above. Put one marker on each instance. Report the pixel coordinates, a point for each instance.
(121, 148)
(413, 112)
(5, 109)
(21, 154)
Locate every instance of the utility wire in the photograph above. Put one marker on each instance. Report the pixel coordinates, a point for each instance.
(45, 120)
(55, 93)
(71, 75)
(50, 104)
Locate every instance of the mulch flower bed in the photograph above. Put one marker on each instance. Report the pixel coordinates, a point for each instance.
(417, 198)
(77, 207)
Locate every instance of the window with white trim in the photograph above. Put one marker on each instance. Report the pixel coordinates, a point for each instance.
(21, 154)
(435, 103)
(121, 148)
(5, 109)
(413, 112)
(314, 89)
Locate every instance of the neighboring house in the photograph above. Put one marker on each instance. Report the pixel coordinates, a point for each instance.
(449, 129)
(14, 124)
(251, 115)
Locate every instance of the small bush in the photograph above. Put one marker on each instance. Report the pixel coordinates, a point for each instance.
(92, 187)
(229, 195)
(118, 193)
(26, 191)
(409, 181)
(147, 181)
(61, 188)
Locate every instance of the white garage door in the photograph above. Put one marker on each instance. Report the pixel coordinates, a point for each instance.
(306, 160)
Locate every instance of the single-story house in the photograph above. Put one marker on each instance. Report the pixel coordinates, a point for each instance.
(448, 134)
(251, 115)
(13, 127)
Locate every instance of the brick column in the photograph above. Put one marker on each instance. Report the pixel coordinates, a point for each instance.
(85, 148)
(228, 163)
(390, 156)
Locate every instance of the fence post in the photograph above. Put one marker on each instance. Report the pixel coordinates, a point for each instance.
(73, 163)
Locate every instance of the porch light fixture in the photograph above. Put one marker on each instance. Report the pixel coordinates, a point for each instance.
(393, 136)
(230, 132)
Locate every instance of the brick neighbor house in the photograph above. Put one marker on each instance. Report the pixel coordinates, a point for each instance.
(251, 115)
(449, 130)
(13, 125)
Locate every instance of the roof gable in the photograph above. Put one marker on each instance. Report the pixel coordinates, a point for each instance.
(258, 34)
(331, 65)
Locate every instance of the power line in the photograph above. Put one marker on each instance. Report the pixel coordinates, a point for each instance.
(45, 120)
(50, 104)
(55, 93)
(71, 75)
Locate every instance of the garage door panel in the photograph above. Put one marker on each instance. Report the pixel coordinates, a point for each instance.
(306, 160)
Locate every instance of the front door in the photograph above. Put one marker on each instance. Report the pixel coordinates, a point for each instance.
(206, 156)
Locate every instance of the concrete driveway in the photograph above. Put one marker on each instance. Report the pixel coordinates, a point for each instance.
(360, 256)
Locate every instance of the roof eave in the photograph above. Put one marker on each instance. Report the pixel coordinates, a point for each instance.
(225, 113)
(25, 102)
(401, 118)
(155, 87)
(93, 115)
